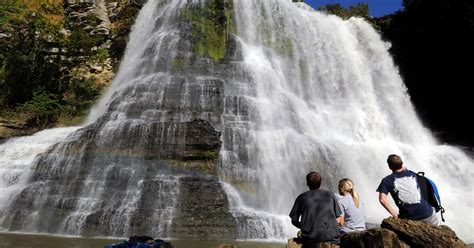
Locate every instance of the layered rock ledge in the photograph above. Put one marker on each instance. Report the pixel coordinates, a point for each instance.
(398, 233)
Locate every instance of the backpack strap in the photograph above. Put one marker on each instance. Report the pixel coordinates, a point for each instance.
(439, 208)
(442, 212)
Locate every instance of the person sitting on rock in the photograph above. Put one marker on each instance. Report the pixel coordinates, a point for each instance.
(319, 212)
(404, 187)
(352, 209)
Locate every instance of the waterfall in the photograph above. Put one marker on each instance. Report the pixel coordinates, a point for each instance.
(329, 98)
(19, 153)
(189, 143)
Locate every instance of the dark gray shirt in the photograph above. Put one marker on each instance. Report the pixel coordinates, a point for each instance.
(318, 210)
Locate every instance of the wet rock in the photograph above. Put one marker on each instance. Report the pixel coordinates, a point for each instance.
(421, 234)
(202, 211)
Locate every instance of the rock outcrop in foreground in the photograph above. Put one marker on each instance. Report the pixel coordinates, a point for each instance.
(398, 233)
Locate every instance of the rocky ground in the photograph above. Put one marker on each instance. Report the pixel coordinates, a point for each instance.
(398, 233)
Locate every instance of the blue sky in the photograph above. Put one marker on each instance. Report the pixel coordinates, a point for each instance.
(377, 7)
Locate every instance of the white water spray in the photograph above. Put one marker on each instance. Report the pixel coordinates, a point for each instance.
(18, 154)
(329, 98)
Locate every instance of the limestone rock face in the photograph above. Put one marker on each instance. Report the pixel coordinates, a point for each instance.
(202, 211)
(421, 234)
(18, 127)
(9, 128)
(91, 15)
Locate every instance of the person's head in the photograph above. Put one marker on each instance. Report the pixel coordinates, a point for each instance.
(313, 180)
(346, 186)
(394, 162)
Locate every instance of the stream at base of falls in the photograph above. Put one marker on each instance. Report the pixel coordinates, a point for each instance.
(8, 240)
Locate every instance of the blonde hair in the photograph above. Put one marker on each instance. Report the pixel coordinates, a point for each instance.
(346, 185)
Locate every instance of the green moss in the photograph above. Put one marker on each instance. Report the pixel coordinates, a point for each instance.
(201, 155)
(285, 46)
(273, 36)
(212, 23)
(177, 65)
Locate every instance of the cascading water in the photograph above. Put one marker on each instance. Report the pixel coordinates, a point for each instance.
(19, 153)
(328, 97)
(296, 90)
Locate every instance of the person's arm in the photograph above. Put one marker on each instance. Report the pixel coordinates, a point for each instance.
(340, 220)
(339, 211)
(386, 204)
(295, 214)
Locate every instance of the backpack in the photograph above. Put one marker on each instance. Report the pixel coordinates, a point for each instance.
(430, 192)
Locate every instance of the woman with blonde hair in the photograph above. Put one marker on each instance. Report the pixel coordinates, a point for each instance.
(352, 208)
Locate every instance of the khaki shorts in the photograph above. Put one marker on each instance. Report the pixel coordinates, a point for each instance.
(433, 219)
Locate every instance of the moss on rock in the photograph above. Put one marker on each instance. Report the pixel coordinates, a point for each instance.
(212, 24)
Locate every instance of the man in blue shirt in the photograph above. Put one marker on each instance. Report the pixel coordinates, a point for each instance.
(404, 187)
(317, 213)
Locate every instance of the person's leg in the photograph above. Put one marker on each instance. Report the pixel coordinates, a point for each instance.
(308, 243)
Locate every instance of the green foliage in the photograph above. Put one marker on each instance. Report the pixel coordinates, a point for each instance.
(43, 107)
(24, 51)
(203, 155)
(81, 95)
(35, 78)
(81, 42)
(212, 24)
(101, 55)
(360, 10)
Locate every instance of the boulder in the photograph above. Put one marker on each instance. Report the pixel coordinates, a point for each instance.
(295, 243)
(421, 234)
(398, 233)
(375, 237)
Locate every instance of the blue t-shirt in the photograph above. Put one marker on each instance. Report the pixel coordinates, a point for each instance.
(405, 190)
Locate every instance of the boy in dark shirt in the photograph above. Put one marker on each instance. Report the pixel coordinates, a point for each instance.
(319, 212)
(404, 188)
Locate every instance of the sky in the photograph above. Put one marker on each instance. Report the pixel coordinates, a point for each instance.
(376, 7)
